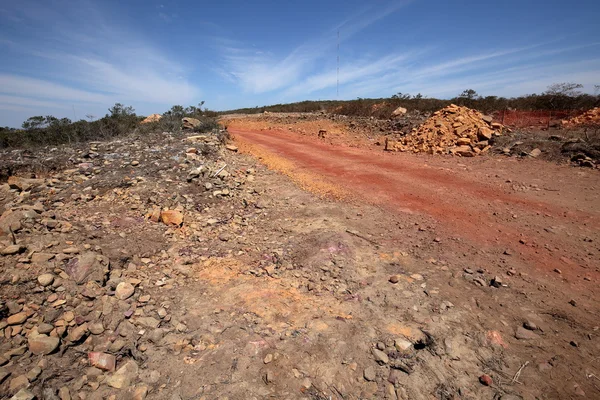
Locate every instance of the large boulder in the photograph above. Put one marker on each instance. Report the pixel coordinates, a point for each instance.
(190, 123)
(88, 266)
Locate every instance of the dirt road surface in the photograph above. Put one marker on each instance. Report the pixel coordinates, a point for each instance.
(497, 214)
(171, 266)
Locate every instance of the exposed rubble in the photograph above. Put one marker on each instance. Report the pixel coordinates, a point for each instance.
(454, 129)
(589, 118)
(170, 266)
(74, 290)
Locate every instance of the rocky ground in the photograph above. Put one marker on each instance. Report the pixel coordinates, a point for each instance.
(173, 267)
(569, 143)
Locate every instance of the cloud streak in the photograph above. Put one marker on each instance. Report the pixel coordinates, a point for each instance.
(309, 70)
(259, 72)
(95, 62)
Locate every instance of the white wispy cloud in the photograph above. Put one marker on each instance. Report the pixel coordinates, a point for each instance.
(309, 70)
(88, 60)
(354, 71)
(258, 71)
(502, 77)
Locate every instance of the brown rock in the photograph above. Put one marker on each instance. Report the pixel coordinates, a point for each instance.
(140, 393)
(17, 319)
(106, 362)
(44, 328)
(148, 322)
(10, 221)
(172, 217)
(18, 383)
(77, 333)
(190, 123)
(96, 328)
(124, 376)
(23, 184)
(3, 375)
(34, 373)
(88, 266)
(486, 380)
(41, 258)
(124, 291)
(370, 374)
(380, 356)
(231, 147)
(399, 111)
(23, 394)
(463, 151)
(535, 153)
(43, 344)
(485, 133)
(64, 393)
(45, 279)
(12, 249)
(524, 334)
(151, 118)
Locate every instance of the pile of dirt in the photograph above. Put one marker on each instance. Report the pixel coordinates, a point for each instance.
(591, 117)
(454, 129)
(152, 118)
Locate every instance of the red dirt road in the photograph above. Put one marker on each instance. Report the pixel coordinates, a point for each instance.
(545, 214)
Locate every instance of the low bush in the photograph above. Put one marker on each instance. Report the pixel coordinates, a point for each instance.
(120, 120)
(560, 96)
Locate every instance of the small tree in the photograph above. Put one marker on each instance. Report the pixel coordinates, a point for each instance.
(469, 94)
(36, 122)
(568, 89)
(177, 112)
(119, 110)
(401, 96)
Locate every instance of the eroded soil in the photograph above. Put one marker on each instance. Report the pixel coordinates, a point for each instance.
(306, 270)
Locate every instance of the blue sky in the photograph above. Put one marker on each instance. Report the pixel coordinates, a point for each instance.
(73, 58)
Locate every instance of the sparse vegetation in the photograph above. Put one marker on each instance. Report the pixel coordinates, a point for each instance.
(560, 96)
(120, 120)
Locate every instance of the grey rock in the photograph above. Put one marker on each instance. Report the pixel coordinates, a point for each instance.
(3, 375)
(124, 376)
(124, 290)
(370, 374)
(45, 279)
(148, 322)
(23, 394)
(380, 356)
(12, 249)
(88, 266)
(523, 334)
(530, 325)
(34, 373)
